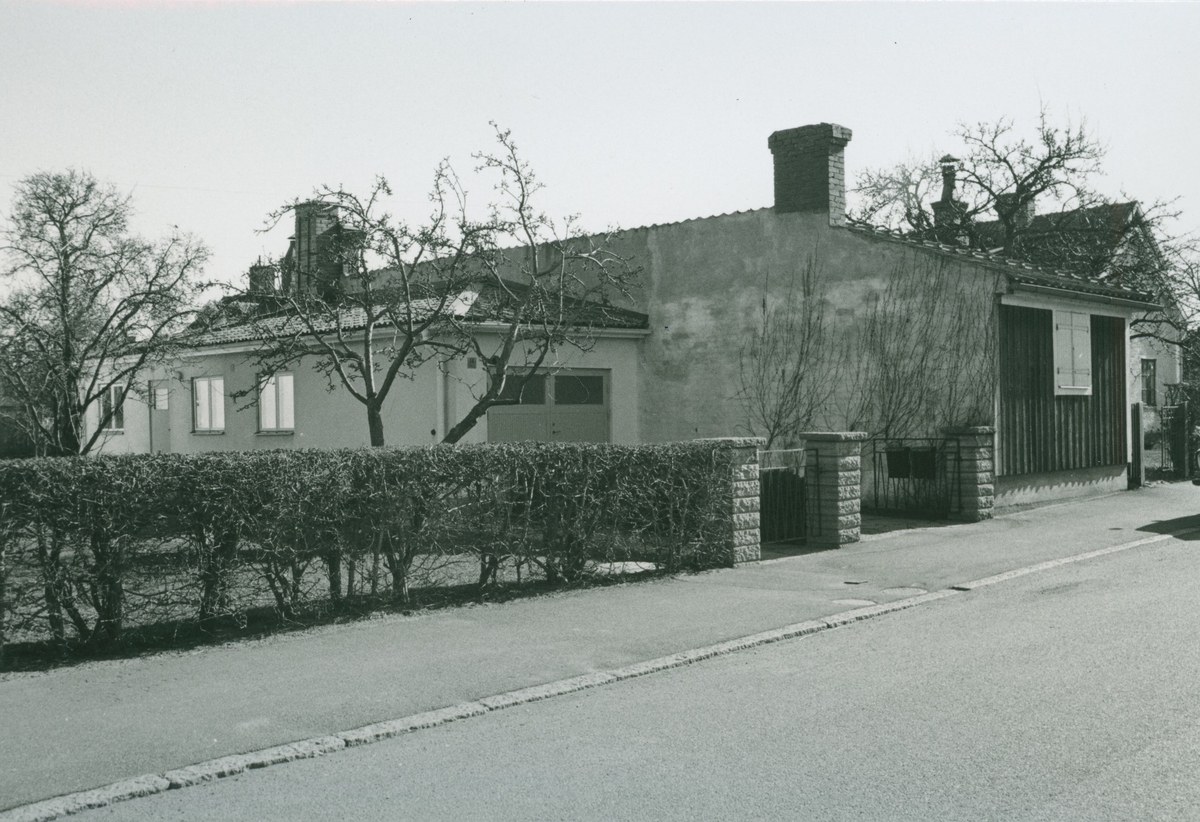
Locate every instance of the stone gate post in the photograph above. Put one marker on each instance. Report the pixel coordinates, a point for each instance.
(834, 486)
(976, 468)
(743, 541)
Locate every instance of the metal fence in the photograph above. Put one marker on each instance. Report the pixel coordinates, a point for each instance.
(1166, 448)
(915, 475)
(783, 495)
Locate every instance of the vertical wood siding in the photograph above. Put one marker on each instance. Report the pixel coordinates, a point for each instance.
(1041, 432)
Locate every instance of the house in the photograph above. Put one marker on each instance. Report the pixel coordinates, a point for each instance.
(915, 337)
(1110, 243)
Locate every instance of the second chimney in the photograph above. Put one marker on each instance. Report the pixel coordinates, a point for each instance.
(810, 173)
(264, 278)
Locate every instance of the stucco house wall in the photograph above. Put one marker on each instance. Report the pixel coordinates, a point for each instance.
(705, 283)
(418, 410)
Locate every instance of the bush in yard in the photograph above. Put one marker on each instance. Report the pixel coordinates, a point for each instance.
(96, 545)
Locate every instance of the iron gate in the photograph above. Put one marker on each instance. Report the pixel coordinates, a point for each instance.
(1166, 456)
(783, 498)
(912, 475)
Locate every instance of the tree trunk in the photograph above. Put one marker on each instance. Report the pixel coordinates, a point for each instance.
(466, 423)
(489, 565)
(375, 424)
(110, 591)
(51, 580)
(333, 559)
(3, 589)
(399, 559)
(216, 558)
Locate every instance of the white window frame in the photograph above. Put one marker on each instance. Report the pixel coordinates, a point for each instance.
(208, 416)
(1153, 387)
(1072, 354)
(277, 403)
(113, 397)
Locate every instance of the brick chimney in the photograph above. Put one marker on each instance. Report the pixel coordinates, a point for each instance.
(264, 278)
(310, 254)
(810, 174)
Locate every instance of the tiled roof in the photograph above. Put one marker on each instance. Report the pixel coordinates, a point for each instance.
(1105, 225)
(245, 319)
(1016, 270)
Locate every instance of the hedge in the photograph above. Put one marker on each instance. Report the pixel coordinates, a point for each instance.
(90, 547)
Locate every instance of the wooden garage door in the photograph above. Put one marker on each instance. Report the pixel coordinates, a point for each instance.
(567, 406)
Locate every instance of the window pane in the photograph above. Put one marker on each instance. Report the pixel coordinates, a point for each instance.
(1149, 382)
(534, 393)
(118, 420)
(217, 393)
(105, 408)
(200, 390)
(286, 420)
(266, 404)
(571, 390)
(160, 399)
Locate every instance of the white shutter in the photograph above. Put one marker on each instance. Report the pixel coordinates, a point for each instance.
(266, 404)
(286, 417)
(217, 391)
(1072, 353)
(200, 394)
(1081, 346)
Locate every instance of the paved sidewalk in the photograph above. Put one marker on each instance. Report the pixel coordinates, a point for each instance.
(78, 728)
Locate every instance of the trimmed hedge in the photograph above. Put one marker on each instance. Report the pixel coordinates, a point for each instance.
(90, 547)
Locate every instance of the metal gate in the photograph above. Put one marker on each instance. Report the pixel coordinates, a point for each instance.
(783, 498)
(912, 475)
(1166, 454)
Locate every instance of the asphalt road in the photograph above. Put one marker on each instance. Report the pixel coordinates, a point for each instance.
(91, 724)
(1067, 694)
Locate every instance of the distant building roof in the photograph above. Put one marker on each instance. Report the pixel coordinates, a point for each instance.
(1103, 225)
(1015, 270)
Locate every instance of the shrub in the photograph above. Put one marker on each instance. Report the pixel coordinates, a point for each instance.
(95, 545)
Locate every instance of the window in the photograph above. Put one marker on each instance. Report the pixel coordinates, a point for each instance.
(112, 401)
(534, 392)
(572, 390)
(275, 400)
(209, 394)
(1149, 382)
(160, 399)
(1072, 353)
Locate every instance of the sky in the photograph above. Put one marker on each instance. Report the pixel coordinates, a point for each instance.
(214, 114)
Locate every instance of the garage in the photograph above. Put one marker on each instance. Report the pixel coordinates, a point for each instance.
(564, 406)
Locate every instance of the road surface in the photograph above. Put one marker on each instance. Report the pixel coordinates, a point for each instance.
(1068, 694)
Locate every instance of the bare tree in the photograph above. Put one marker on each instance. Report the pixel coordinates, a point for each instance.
(921, 359)
(378, 298)
(1000, 171)
(787, 375)
(1079, 231)
(90, 309)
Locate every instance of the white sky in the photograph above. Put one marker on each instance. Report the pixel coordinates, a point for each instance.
(213, 114)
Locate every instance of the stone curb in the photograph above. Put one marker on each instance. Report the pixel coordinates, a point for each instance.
(148, 784)
(49, 809)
